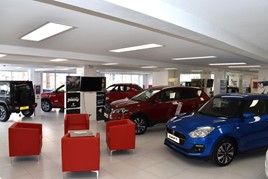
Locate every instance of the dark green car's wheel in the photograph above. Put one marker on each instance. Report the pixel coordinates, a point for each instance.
(224, 152)
(4, 113)
(46, 105)
(141, 124)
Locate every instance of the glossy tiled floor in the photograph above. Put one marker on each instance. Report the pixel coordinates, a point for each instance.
(150, 160)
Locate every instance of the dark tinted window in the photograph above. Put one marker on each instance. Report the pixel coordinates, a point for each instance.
(188, 94)
(257, 107)
(168, 95)
(138, 87)
(125, 88)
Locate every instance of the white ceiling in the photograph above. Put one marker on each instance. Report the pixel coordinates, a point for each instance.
(234, 31)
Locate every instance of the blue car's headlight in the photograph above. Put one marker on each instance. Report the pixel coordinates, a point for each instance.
(201, 132)
(120, 111)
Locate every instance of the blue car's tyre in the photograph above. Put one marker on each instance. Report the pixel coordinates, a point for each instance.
(224, 152)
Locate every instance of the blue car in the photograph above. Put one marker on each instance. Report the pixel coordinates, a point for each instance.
(226, 125)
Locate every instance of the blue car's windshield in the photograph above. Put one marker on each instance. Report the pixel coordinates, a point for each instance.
(224, 107)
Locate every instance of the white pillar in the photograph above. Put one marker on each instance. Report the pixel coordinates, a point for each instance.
(173, 79)
(160, 78)
(206, 76)
(36, 78)
(88, 99)
(262, 76)
(218, 76)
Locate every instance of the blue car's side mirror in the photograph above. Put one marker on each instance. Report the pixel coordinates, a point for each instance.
(248, 115)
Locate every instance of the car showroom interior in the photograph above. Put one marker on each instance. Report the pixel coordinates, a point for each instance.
(155, 89)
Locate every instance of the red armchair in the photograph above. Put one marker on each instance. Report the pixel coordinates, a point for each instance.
(80, 153)
(120, 135)
(76, 122)
(25, 139)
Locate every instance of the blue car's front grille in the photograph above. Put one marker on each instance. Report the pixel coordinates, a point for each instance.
(177, 134)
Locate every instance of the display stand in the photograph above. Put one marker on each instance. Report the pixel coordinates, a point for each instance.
(72, 95)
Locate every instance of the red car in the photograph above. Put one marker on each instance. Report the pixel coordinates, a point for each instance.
(54, 99)
(156, 105)
(121, 91)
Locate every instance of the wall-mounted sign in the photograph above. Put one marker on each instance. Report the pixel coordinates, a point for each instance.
(37, 90)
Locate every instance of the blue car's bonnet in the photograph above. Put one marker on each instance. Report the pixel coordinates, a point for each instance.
(190, 121)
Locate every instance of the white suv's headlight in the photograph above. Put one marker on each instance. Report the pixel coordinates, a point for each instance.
(201, 132)
(120, 111)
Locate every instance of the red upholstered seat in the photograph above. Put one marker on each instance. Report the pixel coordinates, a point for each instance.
(25, 139)
(80, 153)
(76, 122)
(120, 135)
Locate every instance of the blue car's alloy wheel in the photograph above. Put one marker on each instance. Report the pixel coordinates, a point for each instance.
(224, 152)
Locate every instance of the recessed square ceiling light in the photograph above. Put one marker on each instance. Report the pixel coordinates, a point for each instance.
(2, 55)
(59, 60)
(140, 47)
(110, 64)
(46, 31)
(246, 66)
(149, 67)
(194, 58)
(216, 64)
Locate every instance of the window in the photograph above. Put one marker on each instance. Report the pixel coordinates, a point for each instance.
(112, 78)
(256, 106)
(167, 95)
(4, 88)
(188, 94)
(8, 75)
(51, 81)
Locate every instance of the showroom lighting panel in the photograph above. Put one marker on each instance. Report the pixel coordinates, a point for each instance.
(110, 64)
(2, 55)
(46, 31)
(59, 60)
(194, 58)
(149, 67)
(246, 66)
(216, 64)
(140, 47)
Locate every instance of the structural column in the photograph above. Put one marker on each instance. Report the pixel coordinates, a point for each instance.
(88, 99)
(262, 77)
(218, 77)
(36, 78)
(160, 78)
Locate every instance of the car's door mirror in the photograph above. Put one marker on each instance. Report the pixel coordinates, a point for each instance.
(248, 115)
